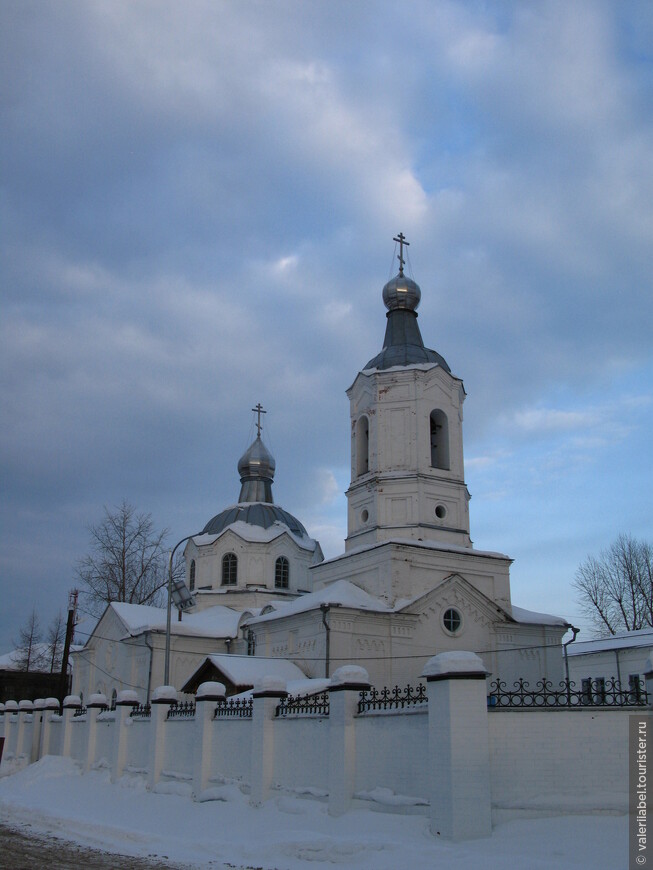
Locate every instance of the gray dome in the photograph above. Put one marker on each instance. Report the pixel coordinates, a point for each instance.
(257, 461)
(401, 292)
(256, 514)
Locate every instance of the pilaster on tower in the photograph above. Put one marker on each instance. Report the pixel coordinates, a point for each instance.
(407, 468)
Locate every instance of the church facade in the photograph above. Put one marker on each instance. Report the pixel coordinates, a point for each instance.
(408, 547)
(410, 583)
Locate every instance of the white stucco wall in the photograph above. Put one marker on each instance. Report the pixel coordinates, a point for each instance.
(391, 749)
(559, 760)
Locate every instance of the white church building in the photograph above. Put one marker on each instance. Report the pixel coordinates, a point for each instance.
(409, 584)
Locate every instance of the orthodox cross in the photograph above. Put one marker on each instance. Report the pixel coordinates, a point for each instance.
(401, 238)
(259, 410)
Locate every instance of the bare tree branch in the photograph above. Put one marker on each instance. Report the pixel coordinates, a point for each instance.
(55, 640)
(127, 561)
(616, 589)
(29, 650)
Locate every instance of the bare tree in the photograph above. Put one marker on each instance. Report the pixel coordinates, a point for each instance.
(616, 588)
(55, 640)
(29, 649)
(127, 561)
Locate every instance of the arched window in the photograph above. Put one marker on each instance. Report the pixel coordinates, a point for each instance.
(362, 446)
(192, 575)
(229, 569)
(439, 440)
(281, 573)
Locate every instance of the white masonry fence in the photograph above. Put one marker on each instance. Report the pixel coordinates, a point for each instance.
(437, 750)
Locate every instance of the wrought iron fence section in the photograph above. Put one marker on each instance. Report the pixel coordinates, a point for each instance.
(80, 711)
(392, 699)
(184, 710)
(304, 705)
(240, 708)
(593, 693)
(142, 711)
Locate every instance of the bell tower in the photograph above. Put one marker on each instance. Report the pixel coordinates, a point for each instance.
(406, 407)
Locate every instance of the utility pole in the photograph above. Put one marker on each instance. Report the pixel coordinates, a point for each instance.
(70, 629)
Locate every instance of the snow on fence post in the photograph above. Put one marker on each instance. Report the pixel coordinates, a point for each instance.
(265, 697)
(24, 738)
(648, 676)
(208, 694)
(71, 703)
(125, 702)
(51, 708)
(346, 684)
(163, 698)
(459, 751)
(37, 725)
(97, 704)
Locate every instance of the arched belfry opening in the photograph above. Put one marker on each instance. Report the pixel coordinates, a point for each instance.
(439, 440)
(362, 446)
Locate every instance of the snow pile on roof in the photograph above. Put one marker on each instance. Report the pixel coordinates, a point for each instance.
(249, 670)
(642, 637)
(216, 621)
(532, 617)
(342, 593)
(41, 659)
(296, 688)
(424, 545)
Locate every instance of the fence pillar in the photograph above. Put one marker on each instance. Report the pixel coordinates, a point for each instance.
(11, 724)
(346, 684)
(208, 694)
(459, 751)
(24, 738)
(163, 699)
(51, 708)
(71, 703)
(265, 698)
(97, 704)
(125, 703)
(37, 727)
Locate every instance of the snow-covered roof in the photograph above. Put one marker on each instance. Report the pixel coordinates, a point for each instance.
(423, 545)
(342, 593)
(643, 637)
(532, 617)
(216, 621)
(41, 652)
(248, 670)
(297, 688)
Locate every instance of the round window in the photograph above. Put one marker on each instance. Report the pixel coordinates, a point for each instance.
(364, 516)
(452, 620)
(440, 511)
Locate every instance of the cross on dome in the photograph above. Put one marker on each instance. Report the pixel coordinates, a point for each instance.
(401, 238)
(258, 410)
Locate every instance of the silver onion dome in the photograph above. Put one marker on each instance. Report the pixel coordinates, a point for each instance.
(257, 461)
(401, 292)
(256, 469)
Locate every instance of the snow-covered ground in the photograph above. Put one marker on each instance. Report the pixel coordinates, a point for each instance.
(287, 832)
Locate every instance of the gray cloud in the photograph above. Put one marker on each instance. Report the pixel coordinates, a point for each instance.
(199, 202)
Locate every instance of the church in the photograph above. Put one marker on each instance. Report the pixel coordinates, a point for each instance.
(408, 585)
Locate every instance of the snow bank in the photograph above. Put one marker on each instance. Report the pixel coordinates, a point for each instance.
(285, 833)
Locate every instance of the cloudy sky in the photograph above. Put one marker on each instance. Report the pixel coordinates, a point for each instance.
(198, 206)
